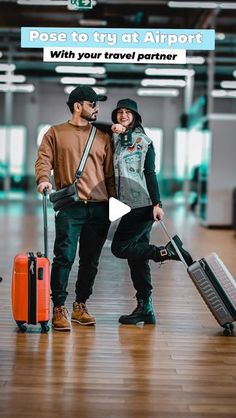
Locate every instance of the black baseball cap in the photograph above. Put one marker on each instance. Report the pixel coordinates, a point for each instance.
(85, 93)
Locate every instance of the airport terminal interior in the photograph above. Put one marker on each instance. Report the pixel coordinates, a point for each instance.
(184, 366)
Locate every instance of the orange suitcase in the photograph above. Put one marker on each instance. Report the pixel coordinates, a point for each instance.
(31, 285)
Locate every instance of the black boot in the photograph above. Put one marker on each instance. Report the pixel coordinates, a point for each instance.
(168, 252)
(143, 313)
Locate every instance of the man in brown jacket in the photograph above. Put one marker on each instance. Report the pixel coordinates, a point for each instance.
(86, 220)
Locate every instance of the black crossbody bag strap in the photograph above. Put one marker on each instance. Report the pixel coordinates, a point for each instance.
(83, 160)
(69, 194)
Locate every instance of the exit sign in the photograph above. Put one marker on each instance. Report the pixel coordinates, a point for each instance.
(80, 4)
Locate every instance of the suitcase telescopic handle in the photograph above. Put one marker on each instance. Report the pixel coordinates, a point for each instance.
(45, 222)
(173, 243)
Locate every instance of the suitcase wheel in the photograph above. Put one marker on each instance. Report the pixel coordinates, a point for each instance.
(228, 329)
(44, 326)
(21, 325)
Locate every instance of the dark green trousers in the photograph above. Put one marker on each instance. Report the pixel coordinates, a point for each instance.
(88, 224)
(132, 242)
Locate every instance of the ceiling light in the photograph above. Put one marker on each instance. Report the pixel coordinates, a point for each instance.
(228, 84)
(98, 90)
(78, 80)
(43, 2)
(82, 70)
(219, 36)
(146, 82)
(193, 4)
(234, 73)
(218, 93)
(158, 92)
(22, 88)
(202, 4)
(7, 67)
(12, 78)
(224, 93)
(228, 5)
(92, 22)
(195, 60)
(169, 71)
(1, 54)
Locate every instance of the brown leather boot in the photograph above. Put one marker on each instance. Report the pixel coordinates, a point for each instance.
(59, 319)
(81, 315)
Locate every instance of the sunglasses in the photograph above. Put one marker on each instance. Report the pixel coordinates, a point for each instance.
(91, 104)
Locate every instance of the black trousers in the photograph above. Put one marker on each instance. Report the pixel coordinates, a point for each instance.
(88, 224)
(131, 241)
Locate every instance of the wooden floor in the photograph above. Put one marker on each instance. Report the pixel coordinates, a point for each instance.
(181, 368)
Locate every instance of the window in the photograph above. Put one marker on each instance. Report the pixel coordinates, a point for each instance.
(3, 151)
(12, 150)
(191, 147)
(42, 129)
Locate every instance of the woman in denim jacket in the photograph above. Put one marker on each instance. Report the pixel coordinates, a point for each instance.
(137, 186)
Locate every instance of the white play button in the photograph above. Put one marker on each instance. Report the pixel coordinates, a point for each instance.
(117, 209)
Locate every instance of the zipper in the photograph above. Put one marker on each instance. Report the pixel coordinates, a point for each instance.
(31, 268)
(32, 289)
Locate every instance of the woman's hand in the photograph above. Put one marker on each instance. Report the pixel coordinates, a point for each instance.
(158, 213)
(117, 128)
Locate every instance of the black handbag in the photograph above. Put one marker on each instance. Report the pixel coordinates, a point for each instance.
(69, 194)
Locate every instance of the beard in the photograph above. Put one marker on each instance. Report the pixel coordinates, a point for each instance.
(90, 117)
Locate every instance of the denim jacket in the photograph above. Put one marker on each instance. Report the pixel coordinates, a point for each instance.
(129, 162)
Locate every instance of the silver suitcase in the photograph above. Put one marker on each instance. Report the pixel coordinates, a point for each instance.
(215, 284)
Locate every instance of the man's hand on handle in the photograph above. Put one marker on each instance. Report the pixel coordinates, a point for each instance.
(44, 185)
